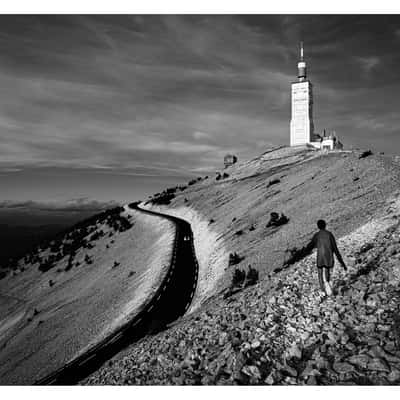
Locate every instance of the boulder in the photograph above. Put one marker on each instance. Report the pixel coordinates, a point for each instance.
(361, 360)
(343, 367)
(394, 376)
(378, 364)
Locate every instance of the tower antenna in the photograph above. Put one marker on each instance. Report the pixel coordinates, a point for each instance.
(301, 51)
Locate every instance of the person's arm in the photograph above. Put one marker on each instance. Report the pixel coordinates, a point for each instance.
(337, 252)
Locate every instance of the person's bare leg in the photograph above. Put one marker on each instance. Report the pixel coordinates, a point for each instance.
(321, 280)
(326, 279)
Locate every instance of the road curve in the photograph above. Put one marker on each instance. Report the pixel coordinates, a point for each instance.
(170, 302)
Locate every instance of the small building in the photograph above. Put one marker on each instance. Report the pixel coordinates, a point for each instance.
(326, 141)
(229, 160)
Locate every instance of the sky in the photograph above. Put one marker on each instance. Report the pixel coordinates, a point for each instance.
(114, 108)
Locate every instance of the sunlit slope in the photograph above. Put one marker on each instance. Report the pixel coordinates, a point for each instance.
(78, 289)
(234, 205)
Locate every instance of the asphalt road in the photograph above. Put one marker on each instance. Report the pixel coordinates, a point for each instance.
(170, 302)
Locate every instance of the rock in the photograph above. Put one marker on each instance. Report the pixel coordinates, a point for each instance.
(290, 370)
(361, 360)
(344, 339)
(310, 370)
(377, 351)
(394, 375)
(255, 344)
(372, 341)
(321, 363)
(304, 336)
(312, 381)
(343, 367)
(269, 380)
(252, 371)
(294, 351)
(378, 364)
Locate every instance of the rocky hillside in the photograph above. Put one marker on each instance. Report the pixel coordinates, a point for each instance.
(230, 211)
(281, 331)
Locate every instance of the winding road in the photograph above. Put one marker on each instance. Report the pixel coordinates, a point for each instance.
(170, 302)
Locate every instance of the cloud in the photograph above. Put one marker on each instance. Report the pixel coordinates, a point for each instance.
(368, 63)
(167, 95)
(201, 135)
(73, 205)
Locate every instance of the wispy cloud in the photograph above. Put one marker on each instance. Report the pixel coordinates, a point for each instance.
(168, 95)
(73, 205)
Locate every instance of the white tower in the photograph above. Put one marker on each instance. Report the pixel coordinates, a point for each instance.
(301, 124)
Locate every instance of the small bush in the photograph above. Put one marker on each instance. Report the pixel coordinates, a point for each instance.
(51, 283)
(252, 228)
(276, 220)
(131, 273)
(70, 264)
(234, 259)
(251, 276)
(116, 264)
(211, 221)
(88, 259)
(218, 177)
(225, 175)
(365, 154)
(273, 182)
(239, 232)
(46, 265)
(163, 198)
(238, 277)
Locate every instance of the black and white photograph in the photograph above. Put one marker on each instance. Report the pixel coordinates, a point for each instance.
(199, 199)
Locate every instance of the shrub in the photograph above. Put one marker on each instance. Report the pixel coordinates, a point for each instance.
(116, 264)
(238, 277)
(365, 154)
(46, 265)
(276, 220)
(251, 276)
(252, 228)
(239, 232)
(234, 259)
(88, 259)
(163, 198)
(211, 221)
(70, 263)
(131, 273)
(273, 182)
(225, 175)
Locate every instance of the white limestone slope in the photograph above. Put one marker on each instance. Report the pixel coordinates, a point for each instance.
(210, 252)
(86, 303)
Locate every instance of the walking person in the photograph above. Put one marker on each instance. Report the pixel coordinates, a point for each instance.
(326, 246)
